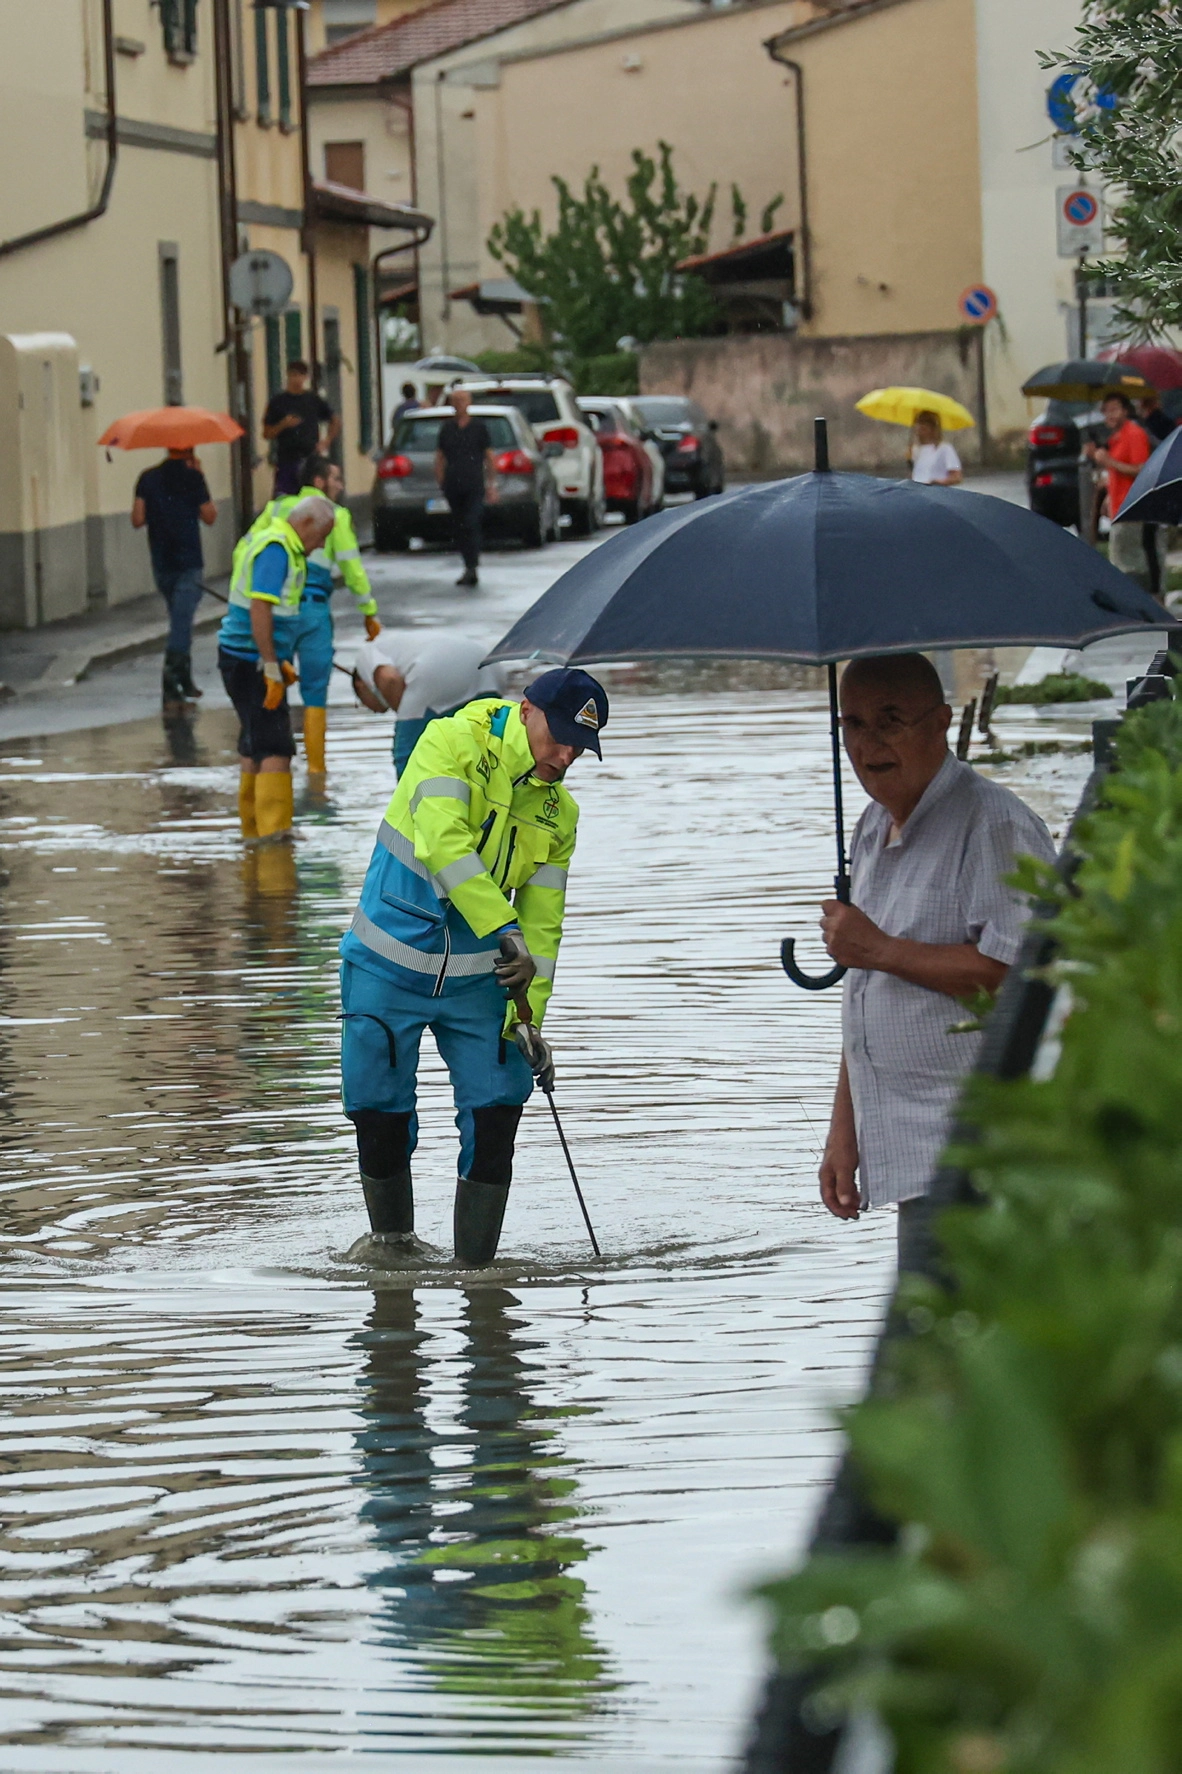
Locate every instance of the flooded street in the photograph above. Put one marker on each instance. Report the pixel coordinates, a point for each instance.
(261, 1510)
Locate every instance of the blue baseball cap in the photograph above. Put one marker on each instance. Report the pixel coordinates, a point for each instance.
(575, 706)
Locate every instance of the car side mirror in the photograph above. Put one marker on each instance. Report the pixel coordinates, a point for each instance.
(550, 450)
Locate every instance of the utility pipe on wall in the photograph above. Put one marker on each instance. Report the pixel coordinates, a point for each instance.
(806, 245)
(233, 343)
(99, 208)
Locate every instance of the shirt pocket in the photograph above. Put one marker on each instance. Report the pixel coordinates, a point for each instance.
(530, 848)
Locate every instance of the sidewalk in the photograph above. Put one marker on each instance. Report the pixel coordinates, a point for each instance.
(38, 659)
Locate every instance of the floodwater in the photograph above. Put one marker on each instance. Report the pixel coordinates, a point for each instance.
(262, 1510)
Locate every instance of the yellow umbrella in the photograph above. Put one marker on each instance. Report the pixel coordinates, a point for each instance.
(902, 406)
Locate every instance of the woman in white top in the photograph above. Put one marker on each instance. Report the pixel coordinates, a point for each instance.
(933, 462)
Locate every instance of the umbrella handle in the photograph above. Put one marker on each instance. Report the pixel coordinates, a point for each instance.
(806, 981)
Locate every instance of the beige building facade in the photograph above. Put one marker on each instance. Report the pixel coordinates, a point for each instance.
(165, 140)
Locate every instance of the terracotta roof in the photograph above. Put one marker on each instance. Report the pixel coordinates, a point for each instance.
(385, 51)
(340, 203)
(738, 251)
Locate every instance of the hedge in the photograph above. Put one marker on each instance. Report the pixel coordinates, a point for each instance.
(1026, 1432)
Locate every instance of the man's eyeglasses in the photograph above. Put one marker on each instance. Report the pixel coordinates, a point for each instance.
(887, 727)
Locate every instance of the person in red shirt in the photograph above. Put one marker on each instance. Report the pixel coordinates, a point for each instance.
(1126, 452)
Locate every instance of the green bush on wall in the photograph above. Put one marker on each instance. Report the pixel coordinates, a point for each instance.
(1027, 1434)
(616, 374)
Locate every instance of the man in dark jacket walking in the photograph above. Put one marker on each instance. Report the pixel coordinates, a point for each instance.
(466, 471)
(172, 501)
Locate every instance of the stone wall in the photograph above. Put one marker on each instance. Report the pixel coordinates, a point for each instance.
(765, 389)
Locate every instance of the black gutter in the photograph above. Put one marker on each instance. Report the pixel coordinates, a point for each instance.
(21, 241)
(806, 243)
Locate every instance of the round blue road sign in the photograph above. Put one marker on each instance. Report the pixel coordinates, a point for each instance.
(1061, 104)
(978, 303)
(1081, 208)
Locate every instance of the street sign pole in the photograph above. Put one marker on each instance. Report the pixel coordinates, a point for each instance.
(1081, 290)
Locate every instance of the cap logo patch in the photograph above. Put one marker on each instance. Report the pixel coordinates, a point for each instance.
(588, 715)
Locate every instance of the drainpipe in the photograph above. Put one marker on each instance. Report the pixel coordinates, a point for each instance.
(422, 235)
(21, 241)
(444, 267)
(308, 238)
(233, 339)
(806, 244)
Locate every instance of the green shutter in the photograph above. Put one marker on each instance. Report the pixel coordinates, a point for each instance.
(283, 39)
(293, 335)
(262, 69)
(274, 355)
(364, 357)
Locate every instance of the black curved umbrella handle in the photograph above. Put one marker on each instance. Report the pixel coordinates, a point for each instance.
(807, 981)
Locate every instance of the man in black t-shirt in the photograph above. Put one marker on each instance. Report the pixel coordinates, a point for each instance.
(465, 468)
(172, 501)
(292, 421)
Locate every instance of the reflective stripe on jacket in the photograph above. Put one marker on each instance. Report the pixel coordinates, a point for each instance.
(341, 549)
(247, 552)
(472, 842)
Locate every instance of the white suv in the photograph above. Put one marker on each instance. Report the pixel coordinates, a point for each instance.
(576, 461)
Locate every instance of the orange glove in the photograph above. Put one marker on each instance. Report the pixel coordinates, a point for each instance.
(276, 684)
(373, 628)
(290, 674)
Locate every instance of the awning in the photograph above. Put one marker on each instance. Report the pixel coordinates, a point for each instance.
(764, 265)
(340, 203)
(496, 295)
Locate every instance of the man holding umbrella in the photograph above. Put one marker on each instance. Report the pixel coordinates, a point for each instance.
(1134, 548)
(932, 921)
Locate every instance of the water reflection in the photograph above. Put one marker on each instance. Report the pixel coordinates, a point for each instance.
(473, 1508)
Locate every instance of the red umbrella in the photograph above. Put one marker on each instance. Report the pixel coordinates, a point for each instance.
(1160, 365)
(170, 428)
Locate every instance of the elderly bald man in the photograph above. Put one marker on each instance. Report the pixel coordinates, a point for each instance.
(255, 645)
(932, 921)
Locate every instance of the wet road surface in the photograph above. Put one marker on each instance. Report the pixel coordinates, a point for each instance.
(260, 1510)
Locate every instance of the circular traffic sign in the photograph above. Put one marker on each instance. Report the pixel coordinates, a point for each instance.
(978, 303)
(1081, 209)
(260, 283)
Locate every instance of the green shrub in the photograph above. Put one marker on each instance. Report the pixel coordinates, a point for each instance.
(617, 373)
(526, 357)
(1027, 1434)
(1064, 686)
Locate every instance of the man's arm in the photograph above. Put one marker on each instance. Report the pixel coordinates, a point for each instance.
(208, 513)
(273, 424)
(444, 769)
(139, 514)
(958, 969)
(334, 430)
(390, 685)
(262, 627)
(541, 907)
(440, 467)
(344, 550)
(492, 491)
(839, 1163)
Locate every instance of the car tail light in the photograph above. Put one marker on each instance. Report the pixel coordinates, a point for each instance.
(689, 446)
(566, 435)
(1043, 436)
(514, 462)
(1044, 480)
(395, 468)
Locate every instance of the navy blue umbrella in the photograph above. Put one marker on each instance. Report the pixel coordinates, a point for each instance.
(1155, 497)
(827, 567)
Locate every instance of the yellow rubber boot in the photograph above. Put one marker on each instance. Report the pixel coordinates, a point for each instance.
(246, 815)
(315, 724)
(273, 807)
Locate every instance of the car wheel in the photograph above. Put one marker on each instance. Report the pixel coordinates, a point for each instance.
(389, 538)
(631, 511)
(531, 530)
(582, 517)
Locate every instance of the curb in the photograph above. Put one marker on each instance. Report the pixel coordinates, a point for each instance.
(73, 666)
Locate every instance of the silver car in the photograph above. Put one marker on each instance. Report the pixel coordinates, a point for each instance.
(408, 502)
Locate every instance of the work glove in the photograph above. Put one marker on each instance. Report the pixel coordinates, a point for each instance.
(537, 1053)
(276, 688)
(516, 968)
(373, 628)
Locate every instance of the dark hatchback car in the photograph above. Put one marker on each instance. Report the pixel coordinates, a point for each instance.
(408, 502)
(688, 441)
(1053, 449)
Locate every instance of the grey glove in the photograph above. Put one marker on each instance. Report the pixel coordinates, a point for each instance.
(537, 1052)
(516, 968)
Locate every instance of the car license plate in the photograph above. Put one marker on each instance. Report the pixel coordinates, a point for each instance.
(434, 505)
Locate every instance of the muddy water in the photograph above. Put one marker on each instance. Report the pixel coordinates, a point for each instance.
(261, 1510)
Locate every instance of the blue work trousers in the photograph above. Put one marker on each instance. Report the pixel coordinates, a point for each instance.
(181, 589)
(313, 650)
(383, 1026)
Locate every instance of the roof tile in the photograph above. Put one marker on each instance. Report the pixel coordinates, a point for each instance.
(386, 51)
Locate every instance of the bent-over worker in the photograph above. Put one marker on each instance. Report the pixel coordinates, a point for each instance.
(474, 848)
(932, 921)
(255, 645)
(420, 678)
(314, 639)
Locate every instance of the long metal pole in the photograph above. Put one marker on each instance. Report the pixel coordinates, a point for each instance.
(570, 1165)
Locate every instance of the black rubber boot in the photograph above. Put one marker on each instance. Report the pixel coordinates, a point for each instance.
(172, 685)
(482, 1195)
(183, 665)
(383, 1156)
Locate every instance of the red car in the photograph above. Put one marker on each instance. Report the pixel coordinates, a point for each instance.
(627, 468)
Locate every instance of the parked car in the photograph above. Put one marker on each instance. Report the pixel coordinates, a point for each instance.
(1053, 449)
(549, 405)
(408, 502)
(627, 469)
(688, 440)
(652, 448)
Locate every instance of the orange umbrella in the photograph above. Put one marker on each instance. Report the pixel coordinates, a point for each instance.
(170, 428)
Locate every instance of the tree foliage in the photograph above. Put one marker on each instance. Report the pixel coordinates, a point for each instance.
(608, 268)
(1130, 51)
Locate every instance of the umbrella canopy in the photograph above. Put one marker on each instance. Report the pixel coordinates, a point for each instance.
(826, 567)
(170, 428)
(1155, 497)
(1087, 378)
(1157, 363)
(902, 406)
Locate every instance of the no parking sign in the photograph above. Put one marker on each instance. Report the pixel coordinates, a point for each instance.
(978, 304)
(1081, 221)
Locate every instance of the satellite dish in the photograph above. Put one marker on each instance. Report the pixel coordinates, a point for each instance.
(260, 283)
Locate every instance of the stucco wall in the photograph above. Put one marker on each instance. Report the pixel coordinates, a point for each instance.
(765, 390)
